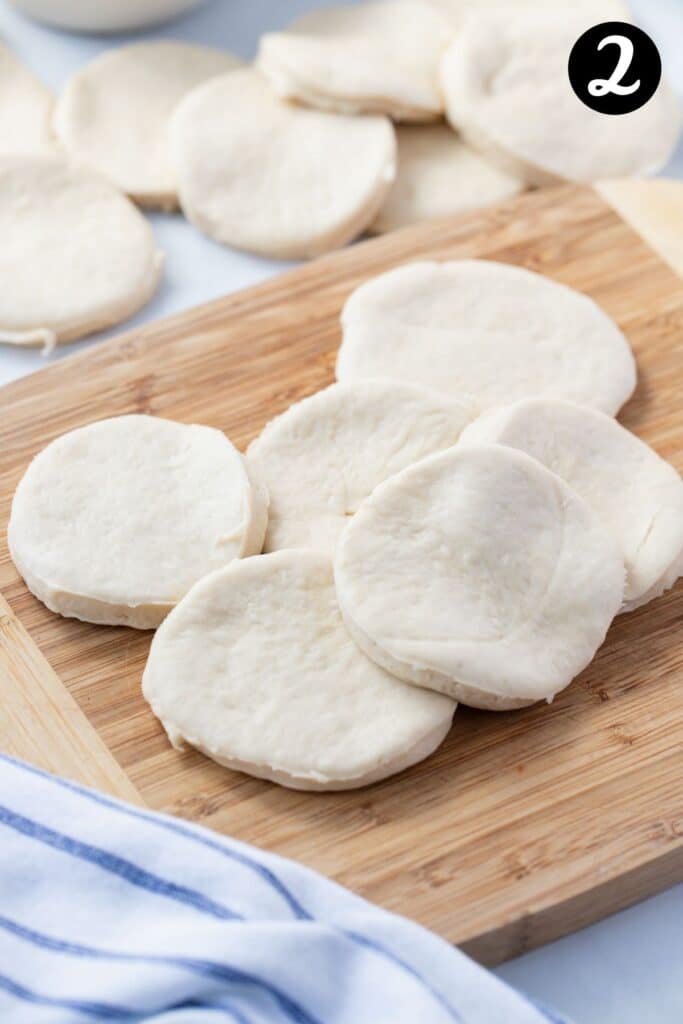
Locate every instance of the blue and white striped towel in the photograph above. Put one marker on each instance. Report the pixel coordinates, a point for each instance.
(110, 913)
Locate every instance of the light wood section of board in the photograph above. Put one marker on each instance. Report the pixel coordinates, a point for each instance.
(522, 826)
(42, 723)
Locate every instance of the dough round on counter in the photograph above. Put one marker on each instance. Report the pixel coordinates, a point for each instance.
(25, 108)
(324, 455)
(507, 90)
(113, 114)
(256, 669)
(114, 522)
(491, 330)
(635, 493)
(76, 255)
(379, 58)
(438, 174)
(479, 573)
(263, 175)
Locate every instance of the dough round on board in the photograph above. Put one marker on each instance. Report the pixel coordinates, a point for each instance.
(76, 255)
(380, 58)
(256, 669)
(113, 114)
(479, 573)
(635, 493)
(594, 11)
(438, 174)
(114, 522)
(263, 175)
(507, 90)
(324, 455)
(25, 108)
(497, 332)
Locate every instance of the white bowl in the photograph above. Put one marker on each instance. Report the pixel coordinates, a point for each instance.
(104, 15)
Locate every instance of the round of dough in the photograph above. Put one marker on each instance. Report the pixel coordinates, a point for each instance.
(438, 175)
(255, 669)
(497, 332)
(636, 494)
(25, 108)
(279, 180)
(507, 90)
(479, 573)
(76, 255)
(324, 455)
(114, 522)
(379, 58)
(113, 114)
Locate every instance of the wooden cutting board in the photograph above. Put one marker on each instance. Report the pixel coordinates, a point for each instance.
(523, 826)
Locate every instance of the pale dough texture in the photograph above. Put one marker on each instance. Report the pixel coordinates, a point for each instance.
(256, 669)
(479, 573)
(113, 114)
(325, 454)
(594, 11)
(114, 522)
(260, 174)
(495, 331)
(507, 90)
(636, 494)
(76, 255)
(438, 174)
(25, 108)
(373, 58)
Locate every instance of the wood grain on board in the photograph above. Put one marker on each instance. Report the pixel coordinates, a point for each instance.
(523, 826)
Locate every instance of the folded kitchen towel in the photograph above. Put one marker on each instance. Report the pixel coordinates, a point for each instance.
(111, 913)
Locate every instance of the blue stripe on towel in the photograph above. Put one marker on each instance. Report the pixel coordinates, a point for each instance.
(206, 968)
(110, 1011)
(116, 865)
(261, 870)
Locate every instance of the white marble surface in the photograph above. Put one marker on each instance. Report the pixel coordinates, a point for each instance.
(629, 968)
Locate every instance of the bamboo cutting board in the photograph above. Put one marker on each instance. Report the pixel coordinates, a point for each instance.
(523, 826)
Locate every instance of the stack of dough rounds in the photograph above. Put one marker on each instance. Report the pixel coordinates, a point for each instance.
(594, 11)
(637, 495)
(114, 522)
(76, 255)
(438, 174)
(255, 669)
(374, 58)
(324, 455)
(276, 179)
(479, 573)
(507, 90)
(497, 332)
(25, 108)
(113, 114)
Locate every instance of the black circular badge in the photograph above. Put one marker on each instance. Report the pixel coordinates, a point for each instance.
(614, 68)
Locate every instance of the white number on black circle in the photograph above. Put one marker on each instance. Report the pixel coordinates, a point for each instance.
(602, 86)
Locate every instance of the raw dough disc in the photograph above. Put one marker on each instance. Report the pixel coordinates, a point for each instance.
(456, 11)
(507, 90)
(491, 330)
(76, 255)
(115, 521)
(25, 108)
(479, 573)
(379, 58)
(438, 174)
(636, 494)
(113, 114)
(255, 669)
(324, 455)
(262, 175)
